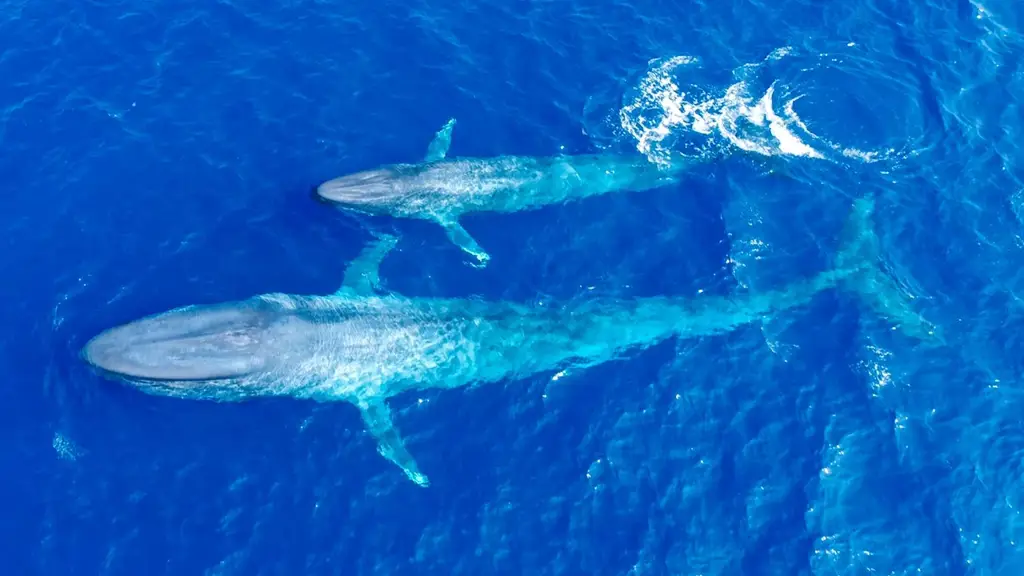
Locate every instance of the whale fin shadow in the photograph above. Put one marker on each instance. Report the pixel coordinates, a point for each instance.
(362, 276)
(379, 422)
(438, 148)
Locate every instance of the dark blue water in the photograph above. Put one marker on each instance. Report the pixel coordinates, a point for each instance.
(162, 154)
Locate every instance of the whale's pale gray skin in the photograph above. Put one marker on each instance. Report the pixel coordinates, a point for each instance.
(364, 345)
(442, 189)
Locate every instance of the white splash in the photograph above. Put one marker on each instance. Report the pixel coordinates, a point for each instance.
(666, 114)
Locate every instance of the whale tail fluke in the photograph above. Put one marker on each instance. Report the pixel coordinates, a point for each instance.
(859, 263)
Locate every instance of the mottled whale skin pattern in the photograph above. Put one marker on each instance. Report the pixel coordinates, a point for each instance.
(363, 345)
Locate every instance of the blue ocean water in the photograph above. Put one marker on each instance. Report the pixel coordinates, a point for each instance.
(162, 154)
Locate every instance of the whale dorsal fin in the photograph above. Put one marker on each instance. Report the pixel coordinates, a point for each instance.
(377, 416)
(362, 274)
(442, 141)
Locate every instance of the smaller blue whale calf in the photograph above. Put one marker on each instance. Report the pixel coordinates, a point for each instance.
(363, 345)
(442, 190)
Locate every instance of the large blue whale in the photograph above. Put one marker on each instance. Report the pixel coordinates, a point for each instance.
(363, 345)
(442, 189)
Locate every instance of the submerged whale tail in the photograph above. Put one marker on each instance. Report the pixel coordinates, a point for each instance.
(862, 271)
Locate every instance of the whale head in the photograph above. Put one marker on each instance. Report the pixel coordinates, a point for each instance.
(219, 351)
(370, 191)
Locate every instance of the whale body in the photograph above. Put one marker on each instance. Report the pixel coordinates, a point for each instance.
(364, 345)
(442, 189)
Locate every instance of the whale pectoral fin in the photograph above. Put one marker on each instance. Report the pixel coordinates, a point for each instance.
(438, 147)
(458, 235)
(377, 416)
(363, 274)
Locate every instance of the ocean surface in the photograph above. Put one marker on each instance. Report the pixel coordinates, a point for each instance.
(162, 153)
